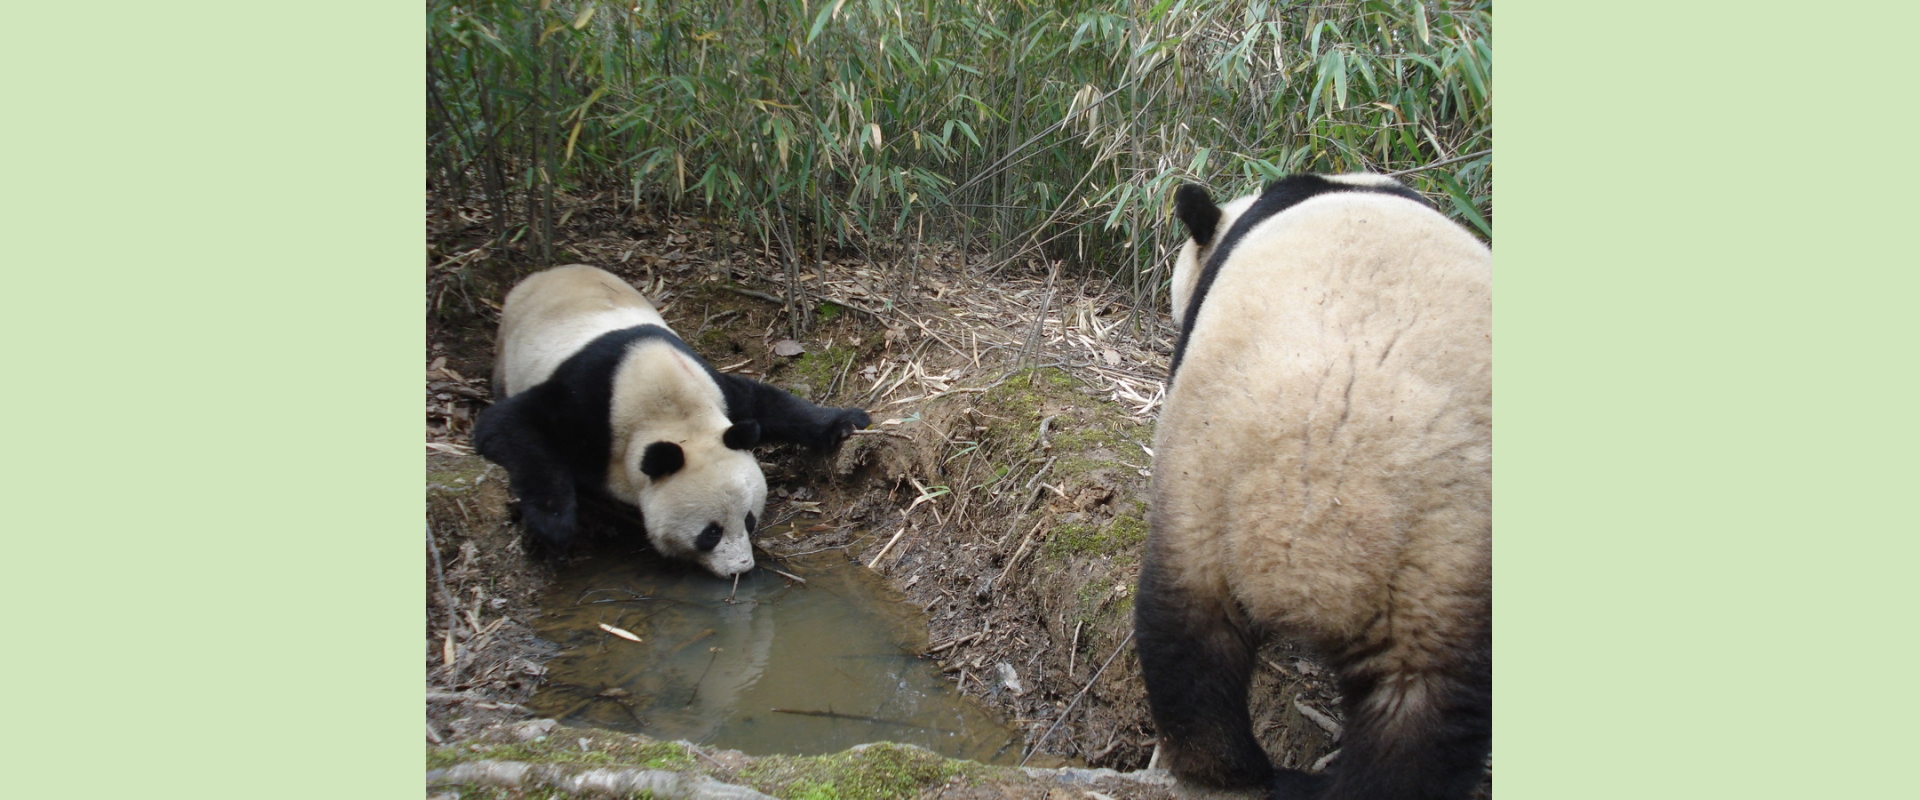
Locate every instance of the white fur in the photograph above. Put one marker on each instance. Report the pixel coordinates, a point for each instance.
(556, 313)
(1325, 450)
(1363, 179)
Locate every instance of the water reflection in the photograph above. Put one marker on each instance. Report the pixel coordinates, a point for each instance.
(770, 667)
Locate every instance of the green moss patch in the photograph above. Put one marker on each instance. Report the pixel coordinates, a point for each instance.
(874, 772)
(817, 370)
(1122, 533)
(563, 748)
(454, 473)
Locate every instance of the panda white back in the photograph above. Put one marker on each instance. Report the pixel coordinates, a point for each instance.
(553, 314)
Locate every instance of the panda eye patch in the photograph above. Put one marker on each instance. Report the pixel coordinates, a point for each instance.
(749, 522)
(710, 537)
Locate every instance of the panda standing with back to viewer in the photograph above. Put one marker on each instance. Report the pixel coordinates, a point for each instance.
(1323, 471)
(600, 396)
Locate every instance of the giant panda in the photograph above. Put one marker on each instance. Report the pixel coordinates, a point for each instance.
(599, 396)
(1323, 472)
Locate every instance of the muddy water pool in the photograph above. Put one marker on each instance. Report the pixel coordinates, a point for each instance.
(773, 666)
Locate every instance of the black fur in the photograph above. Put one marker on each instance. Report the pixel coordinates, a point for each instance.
(1196, 658)
(1279, 196)
(662, 459)
(709, 537)
(555, 438)
(1439, 757)
(742, 436)
(1195, 207)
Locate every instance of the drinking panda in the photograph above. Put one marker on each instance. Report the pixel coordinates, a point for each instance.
(599, 395)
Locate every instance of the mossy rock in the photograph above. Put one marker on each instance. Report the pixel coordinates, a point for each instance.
(882, 771)
(606, 751)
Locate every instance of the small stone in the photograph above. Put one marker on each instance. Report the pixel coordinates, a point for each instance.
(1009, 678)
(534, 729)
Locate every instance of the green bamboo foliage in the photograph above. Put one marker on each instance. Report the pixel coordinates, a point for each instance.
(1029, 129)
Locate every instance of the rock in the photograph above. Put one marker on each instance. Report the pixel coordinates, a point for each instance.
(534, 728)
(1009, 678)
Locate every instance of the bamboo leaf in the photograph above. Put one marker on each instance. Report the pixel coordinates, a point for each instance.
(1463, 203)
(968, 130)
(585, 16)
(1338, 60)
(827, 12)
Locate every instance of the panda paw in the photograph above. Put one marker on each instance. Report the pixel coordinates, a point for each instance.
(844, 424)
(549, 532)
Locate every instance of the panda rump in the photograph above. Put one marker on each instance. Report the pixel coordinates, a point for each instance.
(599, 396)
(1323, 472)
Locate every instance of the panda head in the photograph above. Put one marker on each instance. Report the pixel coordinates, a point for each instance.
(1206, 223)
(701, 495)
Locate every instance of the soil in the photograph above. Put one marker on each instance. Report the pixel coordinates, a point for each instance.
(1003, 486)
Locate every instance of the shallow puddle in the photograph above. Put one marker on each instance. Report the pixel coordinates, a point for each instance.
(780, 668)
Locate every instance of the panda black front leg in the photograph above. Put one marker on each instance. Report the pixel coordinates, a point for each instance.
(507, 434)
(783, 417)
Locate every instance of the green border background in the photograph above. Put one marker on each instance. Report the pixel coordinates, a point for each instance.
(213, 322)
(213, 331)
(1705, 380)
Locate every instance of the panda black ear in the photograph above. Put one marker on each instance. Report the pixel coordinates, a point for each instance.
(743, 436)
(1195, 207)
(662, 459)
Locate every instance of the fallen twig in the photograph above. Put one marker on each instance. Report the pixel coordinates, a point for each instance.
(788, 575)
(1018, 552)
(956, 641)
(1076, 698)
(1319, 718)
(756, 295)
(856, 717)
(1320, 764)
(446, 598)
(1074, 648)
(890, 542)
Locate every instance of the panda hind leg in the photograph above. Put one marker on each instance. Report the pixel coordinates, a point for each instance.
(1422, 735)
(1196, 657)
